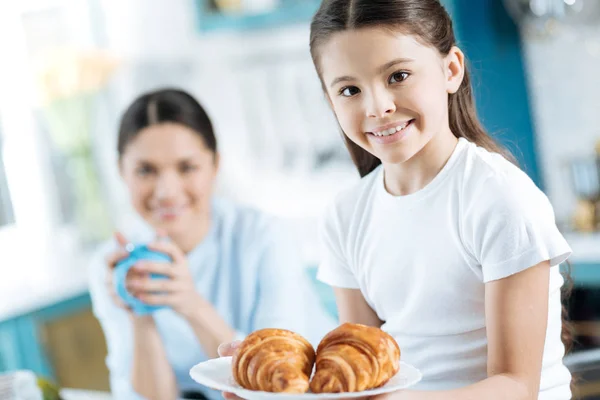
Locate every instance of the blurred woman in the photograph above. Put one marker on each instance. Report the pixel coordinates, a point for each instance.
(234, 269)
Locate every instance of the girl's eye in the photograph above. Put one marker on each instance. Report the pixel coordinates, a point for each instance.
(398, 77)
(349, 91)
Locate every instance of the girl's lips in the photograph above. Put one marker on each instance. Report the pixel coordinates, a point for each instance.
(395, 137)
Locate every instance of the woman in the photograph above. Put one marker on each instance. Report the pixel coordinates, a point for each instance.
(233, 270)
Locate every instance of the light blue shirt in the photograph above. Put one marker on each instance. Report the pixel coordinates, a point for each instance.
(247, 267)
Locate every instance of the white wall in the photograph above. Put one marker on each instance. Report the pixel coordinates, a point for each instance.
(161, 45)
(261, 90)
(564, 78)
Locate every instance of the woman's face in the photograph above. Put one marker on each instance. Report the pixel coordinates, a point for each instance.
(170, 174)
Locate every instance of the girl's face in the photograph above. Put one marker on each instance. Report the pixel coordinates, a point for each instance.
(389, 91)
(170, 174)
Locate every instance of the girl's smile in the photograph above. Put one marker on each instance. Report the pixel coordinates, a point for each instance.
(391, 133)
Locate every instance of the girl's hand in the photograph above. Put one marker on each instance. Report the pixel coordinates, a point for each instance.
(178, 291)
(226, 350)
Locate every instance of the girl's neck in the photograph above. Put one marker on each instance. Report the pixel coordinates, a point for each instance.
(416, 173)
(188, 240)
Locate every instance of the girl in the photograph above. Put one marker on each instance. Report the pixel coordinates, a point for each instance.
(444, 243)
(233, 269)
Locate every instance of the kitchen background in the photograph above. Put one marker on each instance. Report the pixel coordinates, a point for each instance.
(69, 67)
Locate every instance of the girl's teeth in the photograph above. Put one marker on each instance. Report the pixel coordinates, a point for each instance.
(391, 131)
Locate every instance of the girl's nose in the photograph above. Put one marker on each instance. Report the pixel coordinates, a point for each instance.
(380, 104)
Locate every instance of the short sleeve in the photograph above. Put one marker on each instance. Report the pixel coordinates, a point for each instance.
(334, 268)
(510, 226)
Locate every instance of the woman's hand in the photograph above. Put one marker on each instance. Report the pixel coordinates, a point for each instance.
(111, 261)
(178, 291)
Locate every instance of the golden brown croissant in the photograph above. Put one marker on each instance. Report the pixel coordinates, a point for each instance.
(355, 357)
(274, 360)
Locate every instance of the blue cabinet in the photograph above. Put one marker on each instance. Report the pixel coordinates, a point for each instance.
(20, 347)
(586, 275)
(9, 346)
(287, 12)
(24, 339)
(492, 45)
(64, 342)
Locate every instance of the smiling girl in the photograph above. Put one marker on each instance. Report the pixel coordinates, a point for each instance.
(444, 243)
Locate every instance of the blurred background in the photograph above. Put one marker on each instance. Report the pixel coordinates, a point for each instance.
(69, 67)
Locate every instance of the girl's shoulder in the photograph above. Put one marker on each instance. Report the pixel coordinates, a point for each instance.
(493, 183)
(506, 222)
(353, 197)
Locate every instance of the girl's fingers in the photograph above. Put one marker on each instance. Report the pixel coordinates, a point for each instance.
(231, 396)
(227, 349)
(155, 267)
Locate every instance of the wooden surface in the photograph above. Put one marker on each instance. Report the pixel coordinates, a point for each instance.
(77, 351)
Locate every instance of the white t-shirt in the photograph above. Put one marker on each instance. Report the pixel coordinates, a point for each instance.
(422, 260)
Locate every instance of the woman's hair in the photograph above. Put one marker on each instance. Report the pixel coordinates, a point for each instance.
(428, 21)
(161, 106)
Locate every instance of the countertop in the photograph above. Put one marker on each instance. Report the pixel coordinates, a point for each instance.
(55, 279)
(77, 394)
(585, 246)
(45, 279)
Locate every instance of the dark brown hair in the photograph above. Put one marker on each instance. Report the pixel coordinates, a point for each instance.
(429, 22)
(165, 105)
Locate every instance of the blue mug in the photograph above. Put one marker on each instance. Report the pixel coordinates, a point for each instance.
(137, 253)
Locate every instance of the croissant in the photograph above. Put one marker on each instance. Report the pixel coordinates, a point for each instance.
(274, 360)
(355, 357)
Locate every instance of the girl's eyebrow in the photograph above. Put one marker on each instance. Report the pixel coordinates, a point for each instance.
(381, 69)
(390, 64)
(341, 79)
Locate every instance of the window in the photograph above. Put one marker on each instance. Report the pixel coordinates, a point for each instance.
(6, 211)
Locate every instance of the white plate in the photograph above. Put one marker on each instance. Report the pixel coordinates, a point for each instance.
(216, 374)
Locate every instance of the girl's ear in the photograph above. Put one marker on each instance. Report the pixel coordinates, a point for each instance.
(455, 69)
